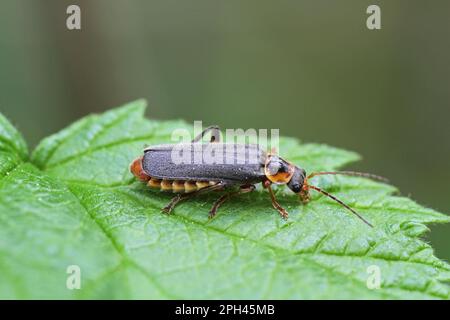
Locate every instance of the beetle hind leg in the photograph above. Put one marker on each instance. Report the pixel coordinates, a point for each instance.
(215, 134)
(169, 207)
(180, 197)
(225, 197)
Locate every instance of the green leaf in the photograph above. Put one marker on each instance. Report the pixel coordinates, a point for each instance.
(12, 147)
(76, 203)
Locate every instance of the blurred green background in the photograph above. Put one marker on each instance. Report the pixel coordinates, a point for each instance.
(310, 68)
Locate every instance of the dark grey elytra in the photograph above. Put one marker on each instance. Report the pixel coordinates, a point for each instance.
(241, 165)
(158, 162)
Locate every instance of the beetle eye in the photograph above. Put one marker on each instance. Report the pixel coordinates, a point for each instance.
(296, 188)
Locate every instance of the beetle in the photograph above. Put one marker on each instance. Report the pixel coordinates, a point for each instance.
(158, 170)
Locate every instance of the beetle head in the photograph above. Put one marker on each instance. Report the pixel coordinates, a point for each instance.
(280, 171)
(297, 181)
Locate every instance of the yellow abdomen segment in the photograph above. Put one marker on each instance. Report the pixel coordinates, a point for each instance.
(178, 186)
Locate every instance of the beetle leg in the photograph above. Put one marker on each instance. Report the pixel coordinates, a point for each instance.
(215, 134)
(276, 205)
(225, 197)
(169, 207)
(180, 197)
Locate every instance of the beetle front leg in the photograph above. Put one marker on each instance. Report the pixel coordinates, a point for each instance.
(225, 197)
(283, 213)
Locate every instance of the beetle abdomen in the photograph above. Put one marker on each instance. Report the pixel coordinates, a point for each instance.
(179, 186)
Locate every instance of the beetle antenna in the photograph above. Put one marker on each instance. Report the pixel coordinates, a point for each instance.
(349, 173)
(341, 203)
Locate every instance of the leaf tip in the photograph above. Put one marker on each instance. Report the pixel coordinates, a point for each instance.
(138, 105)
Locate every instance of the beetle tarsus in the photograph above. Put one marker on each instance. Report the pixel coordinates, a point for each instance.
(283, 213)
(175, 200)
(169, 207)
